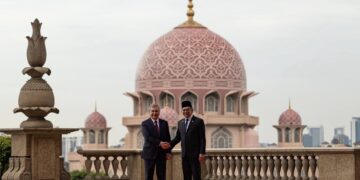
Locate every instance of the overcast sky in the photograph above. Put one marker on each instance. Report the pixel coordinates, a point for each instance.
(304, 50)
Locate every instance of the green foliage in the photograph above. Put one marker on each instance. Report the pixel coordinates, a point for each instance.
(5, 153)
(80, 175)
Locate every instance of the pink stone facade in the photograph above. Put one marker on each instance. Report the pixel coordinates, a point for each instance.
(198, 65)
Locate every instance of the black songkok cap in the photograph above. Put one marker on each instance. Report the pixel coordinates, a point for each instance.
(186, 104)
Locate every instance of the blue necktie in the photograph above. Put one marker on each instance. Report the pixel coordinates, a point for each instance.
(186, 124)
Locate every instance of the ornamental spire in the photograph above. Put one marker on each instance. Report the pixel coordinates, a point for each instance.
(289, 103)
(190, 23)
(95, 106)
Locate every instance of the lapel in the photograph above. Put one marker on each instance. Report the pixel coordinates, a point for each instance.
(191, 124)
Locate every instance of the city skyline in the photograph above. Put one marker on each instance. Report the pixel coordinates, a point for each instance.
(306, 51)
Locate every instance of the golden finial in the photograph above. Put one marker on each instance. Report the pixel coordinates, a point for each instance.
(289, 103)
(190, 13)
(190, 22)
(95, 106)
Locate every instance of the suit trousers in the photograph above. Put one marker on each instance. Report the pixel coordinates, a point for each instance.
(191, 168)
(160, 164)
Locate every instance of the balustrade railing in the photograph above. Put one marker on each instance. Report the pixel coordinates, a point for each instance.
(236, 164)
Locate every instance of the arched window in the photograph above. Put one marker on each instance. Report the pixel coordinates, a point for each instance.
(230, 103)
(147, 103)
(211, 102)
(280, 135)
(166, 100)
(101, 137)
(190, 97)
(297, 135)
(221, 138)
(91, 137)
(287, 135)
(140, 140)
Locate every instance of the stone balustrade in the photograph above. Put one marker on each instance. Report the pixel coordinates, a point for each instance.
(236, 164)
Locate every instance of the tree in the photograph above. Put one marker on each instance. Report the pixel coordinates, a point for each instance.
(80, 175)
(5, 153)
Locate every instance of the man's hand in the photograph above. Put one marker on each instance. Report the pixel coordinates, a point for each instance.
(164, 145)
(201, 157)
(168, 156)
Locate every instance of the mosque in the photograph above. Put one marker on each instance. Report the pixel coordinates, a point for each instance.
(192, 63)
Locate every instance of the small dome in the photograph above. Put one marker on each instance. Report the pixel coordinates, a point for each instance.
(95, 121)
(290, 117)
(169, 115)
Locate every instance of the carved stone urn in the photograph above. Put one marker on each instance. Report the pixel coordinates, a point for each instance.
(36, 99)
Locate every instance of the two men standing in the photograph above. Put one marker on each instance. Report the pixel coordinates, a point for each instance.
(191, 133)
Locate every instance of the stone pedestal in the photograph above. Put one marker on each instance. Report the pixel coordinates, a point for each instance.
(35, 154)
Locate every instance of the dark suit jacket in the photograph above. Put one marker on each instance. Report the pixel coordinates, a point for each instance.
(152, 149)
(193, 140)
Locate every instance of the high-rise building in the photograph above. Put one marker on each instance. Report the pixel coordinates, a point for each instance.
(70, 144)
(317, 135)
(340, 137)
(355, 130)
(339, 130)
(307, 140)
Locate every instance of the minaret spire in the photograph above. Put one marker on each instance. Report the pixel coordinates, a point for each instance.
(289, 103)
(95, 106)
(190, 13)
(190, 23)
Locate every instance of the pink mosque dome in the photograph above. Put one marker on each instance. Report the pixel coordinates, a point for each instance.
(290, 117)
(169, 115)
(190, 56)
(95, 121)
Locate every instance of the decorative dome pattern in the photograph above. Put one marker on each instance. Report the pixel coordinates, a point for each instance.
(290, 117)
(190, 57)
(169, 115)
(95, 121)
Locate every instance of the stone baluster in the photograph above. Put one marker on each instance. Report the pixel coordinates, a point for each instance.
(284, 165)
(214, 168)
(221, 167)
(115, 165)
(264, 167)
(298, 165)
(291, 167)
(88, 164)
(124, 163)
(232, 167)
(239, 167)
(10, 169)
(16, 167)
(97, 164)
(227, 167)
(258, 167)
(252, 167)
(313, 165)
(246, 167)
(277, 167)
(271, 165)
(106, 164)
(305, 167)
(208, 167)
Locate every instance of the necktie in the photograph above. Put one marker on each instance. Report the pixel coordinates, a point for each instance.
(186, 123)
(157, 127)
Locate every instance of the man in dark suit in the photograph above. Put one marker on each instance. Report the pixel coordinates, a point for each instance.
(156, 147)
(191, 133)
